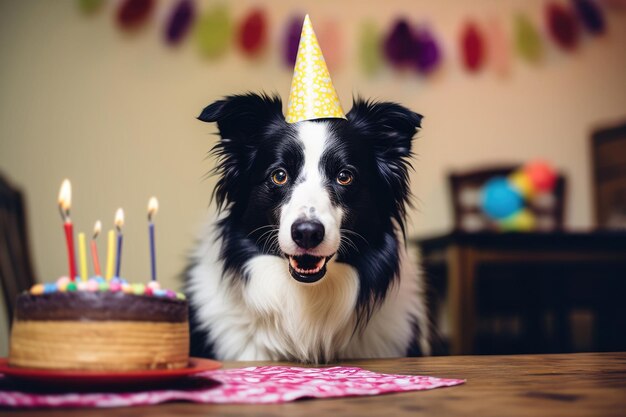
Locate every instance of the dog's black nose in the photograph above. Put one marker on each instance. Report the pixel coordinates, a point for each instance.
(307, 233)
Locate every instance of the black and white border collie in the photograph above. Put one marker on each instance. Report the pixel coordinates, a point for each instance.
(306, 260)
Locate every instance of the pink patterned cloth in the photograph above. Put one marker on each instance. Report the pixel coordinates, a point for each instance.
(254, 385)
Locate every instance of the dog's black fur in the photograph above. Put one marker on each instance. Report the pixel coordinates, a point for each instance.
(374, 141)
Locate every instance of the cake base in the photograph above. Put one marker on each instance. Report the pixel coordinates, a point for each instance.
(99, 345)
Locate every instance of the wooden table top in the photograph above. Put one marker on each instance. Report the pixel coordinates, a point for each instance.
(569, 385)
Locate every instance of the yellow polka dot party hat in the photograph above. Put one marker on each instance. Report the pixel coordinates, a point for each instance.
(312, 93)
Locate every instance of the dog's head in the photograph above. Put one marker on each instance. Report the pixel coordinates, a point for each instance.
(315, 189)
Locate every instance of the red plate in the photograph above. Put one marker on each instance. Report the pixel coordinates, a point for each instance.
(109, 378)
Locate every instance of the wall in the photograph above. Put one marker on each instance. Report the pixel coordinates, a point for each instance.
(115, 113)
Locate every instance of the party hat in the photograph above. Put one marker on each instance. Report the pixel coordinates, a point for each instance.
(312, 93)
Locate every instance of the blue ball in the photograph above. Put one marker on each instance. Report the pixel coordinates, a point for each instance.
(499, 199)
(49, 288)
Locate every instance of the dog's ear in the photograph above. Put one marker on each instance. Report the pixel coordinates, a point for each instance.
(238, 117)
(389, 129)
(241, 120)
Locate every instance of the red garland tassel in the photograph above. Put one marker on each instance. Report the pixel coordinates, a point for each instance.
(133, 13)
(253, 33)
(472, 47)
(562, 26)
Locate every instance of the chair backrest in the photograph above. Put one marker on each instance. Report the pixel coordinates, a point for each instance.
(609, 176)
(16, 271)
(465, 190)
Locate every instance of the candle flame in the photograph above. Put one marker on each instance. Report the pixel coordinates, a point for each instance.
(96, 229)
(65, 198)
(153, 207)
(119, 219)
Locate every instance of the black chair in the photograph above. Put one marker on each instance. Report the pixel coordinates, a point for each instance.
(16, 271)
(465, 189)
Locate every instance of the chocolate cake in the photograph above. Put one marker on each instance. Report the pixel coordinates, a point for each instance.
(107, 327)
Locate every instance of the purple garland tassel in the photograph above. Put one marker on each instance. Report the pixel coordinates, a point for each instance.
(292, 40)
(180, 22)
(428, 54)
(591, 16)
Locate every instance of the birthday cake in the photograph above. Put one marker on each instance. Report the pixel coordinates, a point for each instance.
(105, 325)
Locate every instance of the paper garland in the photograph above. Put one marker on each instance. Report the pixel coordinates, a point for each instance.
(404, 46)
(214, 32)
(399, 46)
(292, 40)
(133, 14)
(428, 53)
(562, 26)
(527, 39)
(329, 37)
(498, 47)
(591, 16)
(90, 6)
(370, 45)
(180, 21)
(472, 47)
(252, 36)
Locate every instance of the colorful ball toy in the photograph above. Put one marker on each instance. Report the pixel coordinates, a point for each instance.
(541, 175)
(500, 199)
(521, 221)
(522, 183)
(503, 199)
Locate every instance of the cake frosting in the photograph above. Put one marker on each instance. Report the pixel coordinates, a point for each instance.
(100, 325)
(64, 284)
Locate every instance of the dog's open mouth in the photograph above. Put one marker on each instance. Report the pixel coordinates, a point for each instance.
(308, 268)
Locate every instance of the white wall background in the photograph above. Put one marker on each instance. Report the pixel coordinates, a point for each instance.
(115, 113)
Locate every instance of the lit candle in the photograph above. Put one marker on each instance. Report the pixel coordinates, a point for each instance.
(82, 256)
(119, 222)
(110, 253)
(94, 249)
(153, 207)
(65, 202)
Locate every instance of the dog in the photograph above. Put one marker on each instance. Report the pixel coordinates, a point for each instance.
(307, 259)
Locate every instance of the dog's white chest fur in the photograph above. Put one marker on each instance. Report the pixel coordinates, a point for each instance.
(274, 317)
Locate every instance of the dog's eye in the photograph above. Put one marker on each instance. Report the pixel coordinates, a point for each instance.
(345, 177)
(279, 176)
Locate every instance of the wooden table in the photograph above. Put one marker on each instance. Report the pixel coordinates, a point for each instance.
(568, 385)
(598, 254)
